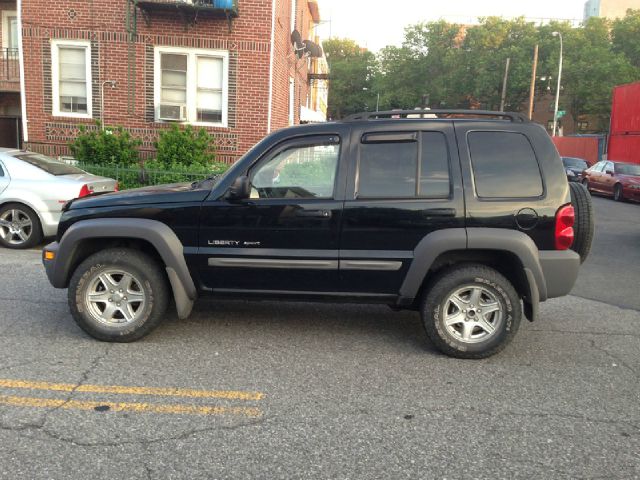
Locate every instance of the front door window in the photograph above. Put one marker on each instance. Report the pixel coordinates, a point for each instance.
(298, 172)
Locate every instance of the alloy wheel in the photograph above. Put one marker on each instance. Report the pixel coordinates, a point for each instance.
(16, 226)
(115, 298)
(472, 314)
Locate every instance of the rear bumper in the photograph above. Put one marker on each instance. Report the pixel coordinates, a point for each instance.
(50, 222)
(560, 271)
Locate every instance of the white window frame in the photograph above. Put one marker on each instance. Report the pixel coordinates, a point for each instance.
(55, 77)
(192, 83)
(6, 14)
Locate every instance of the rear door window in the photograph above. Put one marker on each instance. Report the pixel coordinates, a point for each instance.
(404, 165)
(504, 165)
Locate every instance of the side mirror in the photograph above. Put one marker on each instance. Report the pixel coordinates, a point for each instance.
(240, 189)
(610, 172)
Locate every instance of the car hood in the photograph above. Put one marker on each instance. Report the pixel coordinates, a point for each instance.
(174, 193)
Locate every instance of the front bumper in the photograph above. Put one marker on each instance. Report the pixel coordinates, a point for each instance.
(560, 271)
(50, 264)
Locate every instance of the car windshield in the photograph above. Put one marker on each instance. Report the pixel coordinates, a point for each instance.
(575, 163)
(48, 164)
(628, 169)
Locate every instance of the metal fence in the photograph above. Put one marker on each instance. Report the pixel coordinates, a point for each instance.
(129, 177)
(9, 65)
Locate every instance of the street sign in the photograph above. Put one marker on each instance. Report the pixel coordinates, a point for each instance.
(561, 113)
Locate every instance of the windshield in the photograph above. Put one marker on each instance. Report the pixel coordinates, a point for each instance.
(628, 169)
(574, 163)
(48, 164)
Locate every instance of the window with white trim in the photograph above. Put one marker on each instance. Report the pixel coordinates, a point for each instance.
(9, 29)
(71, 78)
(191, 86)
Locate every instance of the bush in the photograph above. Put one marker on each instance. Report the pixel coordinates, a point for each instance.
(184, 147)
(108, 146)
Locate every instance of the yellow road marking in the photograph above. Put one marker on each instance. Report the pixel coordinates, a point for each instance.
(159, 391)
(129, 407)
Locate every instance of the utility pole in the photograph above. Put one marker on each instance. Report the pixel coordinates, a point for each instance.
(504, 85)
(555, 113)
(533, 82)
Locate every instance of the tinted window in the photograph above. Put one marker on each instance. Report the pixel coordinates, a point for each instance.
(49, 165)
(504, 165)
(434, 166)
(598, 167)
(574, 163)
(390, 169)
(627, 169)
(298, 172)
(1, 171)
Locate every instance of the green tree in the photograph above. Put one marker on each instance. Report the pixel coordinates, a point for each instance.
(625, 35)
(350, 83)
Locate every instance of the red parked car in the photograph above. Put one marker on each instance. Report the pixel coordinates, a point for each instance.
(619, 179)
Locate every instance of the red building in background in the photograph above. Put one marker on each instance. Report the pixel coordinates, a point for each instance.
(226, 65)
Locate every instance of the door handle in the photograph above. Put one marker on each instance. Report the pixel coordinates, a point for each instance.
(314, 213)
(439, 212)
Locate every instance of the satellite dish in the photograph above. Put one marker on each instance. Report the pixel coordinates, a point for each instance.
(312, 49)
(298, 44)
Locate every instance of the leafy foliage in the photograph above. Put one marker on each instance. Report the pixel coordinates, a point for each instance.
(186, 148)
(352, 69)
(458, 66)
(108, 146)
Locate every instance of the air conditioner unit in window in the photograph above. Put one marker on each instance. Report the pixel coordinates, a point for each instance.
(173, 113)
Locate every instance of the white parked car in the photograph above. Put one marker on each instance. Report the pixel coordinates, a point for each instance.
(33, 190)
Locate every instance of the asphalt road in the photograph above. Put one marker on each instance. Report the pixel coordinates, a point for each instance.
(612, 272)
(275, 390)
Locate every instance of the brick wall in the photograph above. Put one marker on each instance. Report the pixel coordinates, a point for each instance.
(130, 62)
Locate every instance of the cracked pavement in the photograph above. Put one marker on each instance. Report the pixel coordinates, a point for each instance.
(350, 391)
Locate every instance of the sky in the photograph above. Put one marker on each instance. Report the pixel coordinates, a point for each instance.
(377, 23)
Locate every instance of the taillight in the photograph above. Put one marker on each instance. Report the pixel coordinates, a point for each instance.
(84, 191)
(565, 218)
(117, 189)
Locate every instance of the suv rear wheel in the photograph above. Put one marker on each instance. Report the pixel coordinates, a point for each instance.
(118, 295)
(471, 311)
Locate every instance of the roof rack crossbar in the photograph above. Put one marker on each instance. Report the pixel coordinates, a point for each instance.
(365, 116)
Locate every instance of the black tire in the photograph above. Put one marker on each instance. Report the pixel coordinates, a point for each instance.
(149, 279)
(584, 225)
(435, 309)
(618, 194)
(585, 182)
(8, 239)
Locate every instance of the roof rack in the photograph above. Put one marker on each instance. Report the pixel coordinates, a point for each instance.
(391, 114)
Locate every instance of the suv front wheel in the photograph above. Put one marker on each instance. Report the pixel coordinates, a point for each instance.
(118, 295)
(471, 311)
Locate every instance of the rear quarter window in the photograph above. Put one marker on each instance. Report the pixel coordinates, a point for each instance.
(504, 165)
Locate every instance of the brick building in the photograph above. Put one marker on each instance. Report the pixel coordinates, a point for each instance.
(226, 65)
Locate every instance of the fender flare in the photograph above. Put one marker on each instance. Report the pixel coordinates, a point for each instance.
(159, 235)
(442, 241)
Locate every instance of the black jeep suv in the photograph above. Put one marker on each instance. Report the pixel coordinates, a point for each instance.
(464, 216)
